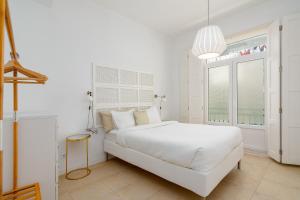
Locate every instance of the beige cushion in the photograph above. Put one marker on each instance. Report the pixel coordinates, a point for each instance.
(107, 121)
(141, 117)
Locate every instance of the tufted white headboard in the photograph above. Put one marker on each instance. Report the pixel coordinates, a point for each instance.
(115, 88)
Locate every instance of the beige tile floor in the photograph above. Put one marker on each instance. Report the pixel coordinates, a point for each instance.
(259, 179)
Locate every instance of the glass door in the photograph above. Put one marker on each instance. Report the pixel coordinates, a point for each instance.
(249, 92)
(235, 91)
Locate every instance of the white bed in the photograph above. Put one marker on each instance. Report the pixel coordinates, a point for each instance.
(194, 156)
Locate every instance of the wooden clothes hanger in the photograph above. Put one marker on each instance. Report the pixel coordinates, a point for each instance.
(29, 77)
(13, 65)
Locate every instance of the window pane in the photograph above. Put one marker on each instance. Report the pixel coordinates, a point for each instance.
(251, 92)
(218, 94)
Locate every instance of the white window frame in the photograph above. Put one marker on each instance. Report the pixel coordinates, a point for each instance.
(233, 93)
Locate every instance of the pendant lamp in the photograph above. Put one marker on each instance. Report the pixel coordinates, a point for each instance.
(209, 42)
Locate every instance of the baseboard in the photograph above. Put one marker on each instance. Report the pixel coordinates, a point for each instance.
(250, 149)
(93, 162)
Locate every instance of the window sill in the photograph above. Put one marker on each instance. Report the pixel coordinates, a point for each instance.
(258, 127)
(242, 126)
(219, 124)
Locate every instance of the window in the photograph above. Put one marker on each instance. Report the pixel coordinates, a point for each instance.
(250, 92)
(246, 47)
(218, 94)
(235, 86)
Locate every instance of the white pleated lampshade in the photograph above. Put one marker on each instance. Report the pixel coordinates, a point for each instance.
(209, 42)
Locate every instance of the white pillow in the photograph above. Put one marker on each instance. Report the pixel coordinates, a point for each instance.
(123, 119)
(153, 115)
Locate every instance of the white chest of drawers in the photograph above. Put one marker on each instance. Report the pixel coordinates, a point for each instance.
(37, 153)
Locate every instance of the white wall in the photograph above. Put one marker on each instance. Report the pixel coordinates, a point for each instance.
(61, 38)
(255, 16)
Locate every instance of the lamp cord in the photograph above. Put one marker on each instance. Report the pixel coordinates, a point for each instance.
(160, 106)
(208, 12)
(88, 121)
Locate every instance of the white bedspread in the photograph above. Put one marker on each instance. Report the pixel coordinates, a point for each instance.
(195, 146)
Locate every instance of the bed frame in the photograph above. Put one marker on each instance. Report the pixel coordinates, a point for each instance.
(198, 182)
(115, 88)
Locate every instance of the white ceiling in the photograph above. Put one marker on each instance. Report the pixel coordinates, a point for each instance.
(173, 16)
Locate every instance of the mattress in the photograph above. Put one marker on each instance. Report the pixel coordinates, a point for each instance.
(194, 146)
(112, 135)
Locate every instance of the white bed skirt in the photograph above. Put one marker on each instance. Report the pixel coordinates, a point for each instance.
(198, 182)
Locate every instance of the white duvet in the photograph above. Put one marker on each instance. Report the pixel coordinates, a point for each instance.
(195, 146)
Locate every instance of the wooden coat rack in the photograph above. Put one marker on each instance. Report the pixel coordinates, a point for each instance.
(14, 69)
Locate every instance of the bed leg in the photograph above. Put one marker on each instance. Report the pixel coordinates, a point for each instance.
(239, 165)
(106, 156)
